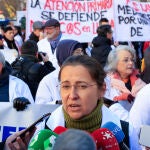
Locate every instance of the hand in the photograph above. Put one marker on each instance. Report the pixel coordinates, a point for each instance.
(44, 58)
(19, 144)
(20, 103)
(130, 98)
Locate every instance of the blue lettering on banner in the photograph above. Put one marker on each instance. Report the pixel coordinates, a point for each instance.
(6, 131)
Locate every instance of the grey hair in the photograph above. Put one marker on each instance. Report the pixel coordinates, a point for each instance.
(2, 59)
(112, 58)
(74, 139)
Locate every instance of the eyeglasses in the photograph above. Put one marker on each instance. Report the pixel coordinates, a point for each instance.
(77, 86)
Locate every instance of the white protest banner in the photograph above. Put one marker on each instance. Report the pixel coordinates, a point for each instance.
(132, 20)
(79, 19)
(12, 121)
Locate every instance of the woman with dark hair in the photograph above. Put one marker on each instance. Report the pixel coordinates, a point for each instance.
(82, 87)
(102, 44)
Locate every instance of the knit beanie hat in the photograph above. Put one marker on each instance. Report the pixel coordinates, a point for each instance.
(29, 47)
(65, 49)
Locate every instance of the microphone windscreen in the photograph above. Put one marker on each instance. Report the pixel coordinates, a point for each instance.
(116, 130)
(45, 139)
(105, 139)
(59, 130)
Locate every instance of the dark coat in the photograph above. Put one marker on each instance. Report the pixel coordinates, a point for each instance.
(33, 37)
(32, 70)
(101, 49)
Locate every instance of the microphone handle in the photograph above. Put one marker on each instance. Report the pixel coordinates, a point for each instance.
(123, 146)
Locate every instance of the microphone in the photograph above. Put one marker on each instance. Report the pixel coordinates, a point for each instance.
(45, 139)
(59, 130)
(105, 139)
(118, 133)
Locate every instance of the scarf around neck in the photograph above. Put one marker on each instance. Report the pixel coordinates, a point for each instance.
(89, 123)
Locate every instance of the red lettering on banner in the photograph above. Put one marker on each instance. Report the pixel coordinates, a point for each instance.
(145, 7)
(111, 22)
(31, 24)
(95, 26)
(84, 6)
(86, 28)
(135, 5)
(139, 7)
(47, 4)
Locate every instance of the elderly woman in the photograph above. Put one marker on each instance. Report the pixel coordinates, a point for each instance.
(122, 77)
(82, 87)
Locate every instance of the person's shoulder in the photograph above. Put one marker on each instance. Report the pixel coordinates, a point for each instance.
(16, 80)
(42, 41)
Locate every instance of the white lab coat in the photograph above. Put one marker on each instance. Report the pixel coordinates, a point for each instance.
(57, 119)
(44, 46)
(18, 88)
(48, 92)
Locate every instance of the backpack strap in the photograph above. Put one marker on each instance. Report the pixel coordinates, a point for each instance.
(125, 129)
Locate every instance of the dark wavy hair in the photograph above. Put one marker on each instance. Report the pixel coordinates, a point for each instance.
(95, 69)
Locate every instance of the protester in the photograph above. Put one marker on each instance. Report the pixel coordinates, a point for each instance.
(124, 81)
(103, 21)
(51, 93)
(37, 33)
(82, 88)
(28, 68)
(50, 42)
(9, 42)
(74, 139)
(18, 37)
(145, 74)
(102, 44)
(10, 86)
(139, 113)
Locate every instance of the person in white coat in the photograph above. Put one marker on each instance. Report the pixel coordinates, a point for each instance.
(11, 87)
(51, 93)
(140, 112)
(49, 43)
(82, 88)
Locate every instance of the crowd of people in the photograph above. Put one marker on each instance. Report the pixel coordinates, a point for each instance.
(107, 81)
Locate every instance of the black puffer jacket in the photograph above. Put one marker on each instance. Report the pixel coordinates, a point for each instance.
(101, 49)
(32, 71)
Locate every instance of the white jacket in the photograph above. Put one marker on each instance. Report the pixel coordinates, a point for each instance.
(140, 112)
(57, 119)
(18, 88)
(44, 46)
(48, 92)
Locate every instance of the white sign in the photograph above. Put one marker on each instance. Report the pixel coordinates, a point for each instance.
(12, 121)
(132, 20)
(79, 19)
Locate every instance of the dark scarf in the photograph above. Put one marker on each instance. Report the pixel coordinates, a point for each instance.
(11, 44)
(89, 123)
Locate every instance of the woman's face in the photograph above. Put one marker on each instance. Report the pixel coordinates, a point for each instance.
(79, 91)
(125, 64)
